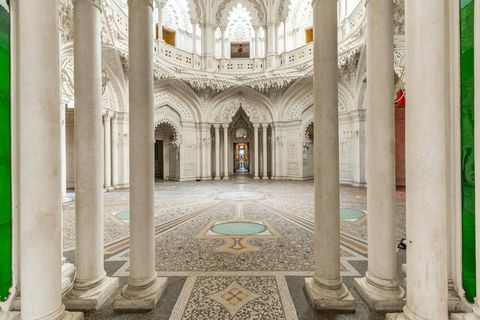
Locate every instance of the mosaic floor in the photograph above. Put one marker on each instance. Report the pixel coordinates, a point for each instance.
(236, 249)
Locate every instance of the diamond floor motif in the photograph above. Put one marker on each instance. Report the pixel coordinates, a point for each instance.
(234, 297)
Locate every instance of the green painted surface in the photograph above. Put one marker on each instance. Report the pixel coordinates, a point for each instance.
(468, 163)
(239, 228)
(350, 214)
(5, 166)
(123, 215)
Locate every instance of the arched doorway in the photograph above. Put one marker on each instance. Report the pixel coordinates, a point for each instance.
(242, 144)
(308, 154)
(167, 153)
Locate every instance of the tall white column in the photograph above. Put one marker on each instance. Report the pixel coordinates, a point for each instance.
(273, 152)
(115, 151)
(92, 288)
(476, 308)
(107, 118)
(426, 163)
(326, 291)
(39, 162)
(194, 37)
(257, 42)
(255, 152)
(217, 151)
(380, 288)
(264, 151)
(144, 289)
(285, 36)
(223, 44)
(226, 143)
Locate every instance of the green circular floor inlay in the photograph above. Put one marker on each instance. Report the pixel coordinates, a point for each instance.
(350, 214)
(239, 228)
(123, 215)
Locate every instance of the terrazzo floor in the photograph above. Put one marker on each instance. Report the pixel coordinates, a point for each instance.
(252, 273)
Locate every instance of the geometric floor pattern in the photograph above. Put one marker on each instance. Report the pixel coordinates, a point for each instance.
(236, 249)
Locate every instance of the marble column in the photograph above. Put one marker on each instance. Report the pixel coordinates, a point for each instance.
(255, 152)
(273, 153)
(426, 162)
(225, 156)
(380, 287)
(264, 151)
(326, 291)
(115, 151)
(257, 42)
(40, 162)
(144, 289)
(108, 150)
(92, 289)
(194, 37)
(217, 151)
(223, 44)
(285, 36)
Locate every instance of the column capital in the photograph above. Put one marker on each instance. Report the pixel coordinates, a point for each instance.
(265, 125)
(256, 125)
(225, 125)
(136, 2)
(96, 3)
(216, 126)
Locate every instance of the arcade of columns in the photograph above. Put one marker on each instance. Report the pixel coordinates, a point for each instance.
(426, 163)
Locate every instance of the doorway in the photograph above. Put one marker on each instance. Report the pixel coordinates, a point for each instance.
(241, 158)
(159, 166)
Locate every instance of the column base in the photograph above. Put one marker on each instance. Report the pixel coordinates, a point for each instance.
(379, 299)
(264, 178)
(256, 178)
(324, 299)
(140, 299)
(395, 316)
(217, 178)
(464, 316)
(72, 316)
(66, 316)
(9, 315)
(226, 178)
(92, 298)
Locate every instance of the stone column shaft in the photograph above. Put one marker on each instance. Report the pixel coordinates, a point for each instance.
(144, 288)
(264, 152)
(223, 45)
(326, 291)
(108, 150)
(257, 43)
(217, 151)
(115, 152)
(92, 288)
(225, 156)
(285, 36)
(194, 39)
(255, 152)
(39, 162)
(426, 163)
(380, 288)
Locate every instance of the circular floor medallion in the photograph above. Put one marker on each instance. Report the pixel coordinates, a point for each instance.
(351, 214)
(238, 228)
(240, 195)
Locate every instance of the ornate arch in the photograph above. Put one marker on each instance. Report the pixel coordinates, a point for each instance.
(253, 6)
(307, 120)
(166, 98)
(228, 108)
(166, 115)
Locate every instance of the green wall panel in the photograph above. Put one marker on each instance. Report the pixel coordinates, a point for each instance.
(5, 163)
(468, 163)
